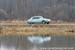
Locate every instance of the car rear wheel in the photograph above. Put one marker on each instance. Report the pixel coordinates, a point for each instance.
(30, 23)
(43, 22)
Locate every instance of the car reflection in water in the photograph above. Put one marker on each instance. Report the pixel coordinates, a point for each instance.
(38, 39)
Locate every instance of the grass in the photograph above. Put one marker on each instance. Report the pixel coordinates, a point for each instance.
(20, 28)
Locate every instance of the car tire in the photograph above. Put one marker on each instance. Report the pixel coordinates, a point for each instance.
(43, 22)
(47, 22)
(31, 23)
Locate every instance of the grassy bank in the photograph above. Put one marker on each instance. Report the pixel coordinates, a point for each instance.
(25, 29)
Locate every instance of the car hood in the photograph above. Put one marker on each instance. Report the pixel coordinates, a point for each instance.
(47, 19)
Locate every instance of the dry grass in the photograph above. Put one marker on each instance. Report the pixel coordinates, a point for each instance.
(20, 28)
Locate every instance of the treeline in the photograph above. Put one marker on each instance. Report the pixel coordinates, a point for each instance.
(54, 9)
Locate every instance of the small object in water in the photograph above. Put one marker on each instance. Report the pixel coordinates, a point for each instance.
(38, 39)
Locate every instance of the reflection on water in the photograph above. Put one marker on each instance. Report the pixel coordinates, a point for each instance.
(7, 48)
(35, 42)
(38, 39)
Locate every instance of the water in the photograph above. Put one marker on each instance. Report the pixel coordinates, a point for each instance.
(23, 43)
(7, 48)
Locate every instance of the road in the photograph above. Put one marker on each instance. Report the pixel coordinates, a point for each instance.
(22, 43)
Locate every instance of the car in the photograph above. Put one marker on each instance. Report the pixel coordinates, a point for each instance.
(38, 19)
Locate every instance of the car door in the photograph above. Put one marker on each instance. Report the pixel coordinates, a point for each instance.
(36, 19)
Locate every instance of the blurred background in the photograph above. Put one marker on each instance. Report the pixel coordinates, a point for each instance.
(23, 9)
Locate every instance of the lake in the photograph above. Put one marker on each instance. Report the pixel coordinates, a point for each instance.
(37, 42)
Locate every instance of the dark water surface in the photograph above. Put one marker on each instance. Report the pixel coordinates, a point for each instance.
(22, 43)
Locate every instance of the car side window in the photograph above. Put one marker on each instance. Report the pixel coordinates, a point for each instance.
(36, 18)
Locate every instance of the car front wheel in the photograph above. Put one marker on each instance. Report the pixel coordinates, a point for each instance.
(47, 22)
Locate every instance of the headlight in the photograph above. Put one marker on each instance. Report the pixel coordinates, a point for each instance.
(49, 20)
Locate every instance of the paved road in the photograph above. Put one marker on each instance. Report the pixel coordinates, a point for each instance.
(22, 43)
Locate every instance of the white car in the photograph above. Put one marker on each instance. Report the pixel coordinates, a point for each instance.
(38, 19)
